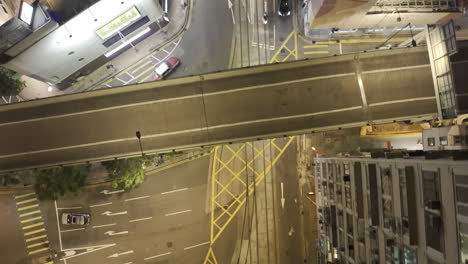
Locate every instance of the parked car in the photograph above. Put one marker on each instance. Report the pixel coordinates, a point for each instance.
(165, 68)
(284, 9)
(75, 219)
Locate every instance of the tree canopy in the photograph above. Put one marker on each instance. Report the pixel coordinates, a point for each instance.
(9, 84)
(55, 182)
(126, 173)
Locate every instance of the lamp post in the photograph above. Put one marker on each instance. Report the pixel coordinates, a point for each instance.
(138, 135)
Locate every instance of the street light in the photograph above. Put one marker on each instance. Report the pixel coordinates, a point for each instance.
(138, 135)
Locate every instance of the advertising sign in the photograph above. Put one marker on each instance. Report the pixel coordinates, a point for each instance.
(118, 23)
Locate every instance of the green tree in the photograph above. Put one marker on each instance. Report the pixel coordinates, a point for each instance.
(10, 85)
(127, 173)
(6, 180)
(55, 182)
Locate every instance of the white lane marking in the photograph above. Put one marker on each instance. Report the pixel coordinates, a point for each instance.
(115, 255)
(58, 225)
(157, 256)
(181, 212)
(98, 226)
(188, 131)
(109, 213)
(201, 244)
(96, 205)
(71, 230)
(70, 208)
(179, 190)
(140, 219)
(404, 101)
(136, 198)
(111, 192)
(113, 233)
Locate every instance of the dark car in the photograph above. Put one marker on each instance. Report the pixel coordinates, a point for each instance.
(75, 219)
(284, 9)
(165, 68)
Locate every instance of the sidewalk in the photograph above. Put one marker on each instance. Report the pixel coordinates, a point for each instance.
(178, 16)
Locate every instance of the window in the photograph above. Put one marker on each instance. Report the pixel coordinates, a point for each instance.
(432, 197)
(461, 201)
(387, 203)
(443, 141)
(404, 201)
(408, 256)
(431, 141)
(457, 140)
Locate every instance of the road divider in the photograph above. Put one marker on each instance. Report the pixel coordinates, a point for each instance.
(99, 226)
(97, 205)
(179, 190)
(181, 212)
(136, 198)
(198, 245)
(157, 256)
(141, 219)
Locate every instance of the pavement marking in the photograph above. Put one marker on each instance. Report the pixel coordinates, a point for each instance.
(316, 52)
(98, 226)
(71, 230)
(113, 233)
(69, 208)
(35, 238)
(87, 251)
(137, 198)
(37, 251)
(33, 225)
(27, 201)
(58, 225)
(201, 244)
(109, 213)
(24, 195)
(141, 66)
(30, 213)
(181, 212)
(157, 256)
(115, 255)
(31, 219)
(141, 219)
(96, 205)
(179, 190)
(311, 200)
(315, 46)
(38, 244)
(27, 207)
(34, 232)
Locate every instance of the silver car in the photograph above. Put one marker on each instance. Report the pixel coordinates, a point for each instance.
(75, 219)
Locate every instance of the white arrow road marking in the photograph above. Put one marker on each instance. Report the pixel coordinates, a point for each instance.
(120, 254)
(71, 252)
(113, 233)
(282, 196)
(109, 213)
(111, 192)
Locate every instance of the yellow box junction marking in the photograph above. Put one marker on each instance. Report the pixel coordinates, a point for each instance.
(293, 36)
(222, 215)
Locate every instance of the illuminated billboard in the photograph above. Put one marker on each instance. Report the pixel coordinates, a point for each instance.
(118, 23)
(26, 12)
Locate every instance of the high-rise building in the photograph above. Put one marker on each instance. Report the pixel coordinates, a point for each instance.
(392, 210)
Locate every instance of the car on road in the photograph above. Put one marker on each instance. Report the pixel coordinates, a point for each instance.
(75, 219)
(284, 9)
(165, 68)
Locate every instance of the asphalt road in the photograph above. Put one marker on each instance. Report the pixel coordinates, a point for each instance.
(162, 221)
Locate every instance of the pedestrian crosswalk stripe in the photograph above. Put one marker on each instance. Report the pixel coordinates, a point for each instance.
(35, 238)
(34, 232)
(37, 251)
(24, 195)
(28, 207)
(27, 201)
(38, 244)
(31, 219)
(33, 225)
(30, 213)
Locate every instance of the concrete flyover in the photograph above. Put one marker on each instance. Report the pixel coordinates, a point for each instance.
(257, 102)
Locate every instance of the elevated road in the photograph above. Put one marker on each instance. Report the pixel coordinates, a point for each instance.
(257, 102)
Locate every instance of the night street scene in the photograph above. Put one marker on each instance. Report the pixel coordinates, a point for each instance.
(233, 131)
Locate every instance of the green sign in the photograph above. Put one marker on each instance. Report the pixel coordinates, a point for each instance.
(118, 23)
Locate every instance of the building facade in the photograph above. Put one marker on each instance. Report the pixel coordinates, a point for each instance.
(392, 210)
